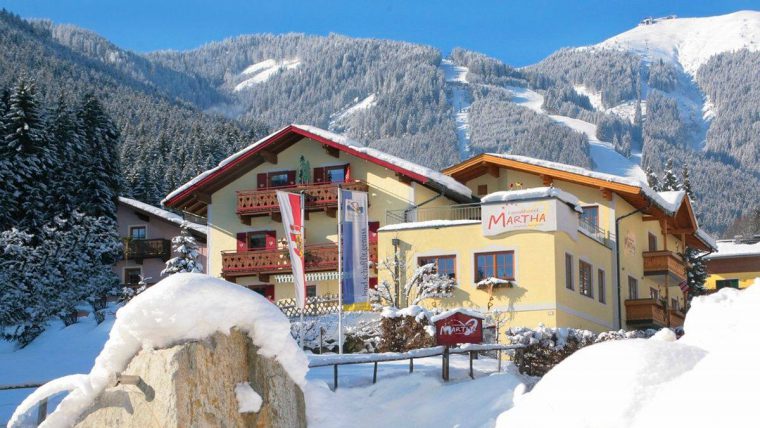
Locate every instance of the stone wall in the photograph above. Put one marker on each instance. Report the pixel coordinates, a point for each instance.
(193, 385)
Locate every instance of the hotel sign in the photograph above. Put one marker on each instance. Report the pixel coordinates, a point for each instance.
(546, 215)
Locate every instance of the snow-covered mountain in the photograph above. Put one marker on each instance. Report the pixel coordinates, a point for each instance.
(689, 42)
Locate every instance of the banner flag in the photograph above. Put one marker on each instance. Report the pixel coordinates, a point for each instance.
(291, 207)
(354, 246)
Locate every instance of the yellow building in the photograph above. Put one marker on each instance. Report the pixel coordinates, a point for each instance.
(561, 245)
(736, 263)
(245, 233)
(571, 247)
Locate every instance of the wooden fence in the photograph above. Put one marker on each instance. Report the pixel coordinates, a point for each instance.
(317, 305)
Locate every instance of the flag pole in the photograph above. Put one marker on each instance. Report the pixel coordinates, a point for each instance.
(303, 255)
(340, 270)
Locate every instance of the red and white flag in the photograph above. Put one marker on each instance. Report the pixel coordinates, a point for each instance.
(291, 207)
(684, 286)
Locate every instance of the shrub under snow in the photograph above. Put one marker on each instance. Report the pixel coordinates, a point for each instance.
(710, 377)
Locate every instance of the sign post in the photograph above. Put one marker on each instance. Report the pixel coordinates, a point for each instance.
(455, 327)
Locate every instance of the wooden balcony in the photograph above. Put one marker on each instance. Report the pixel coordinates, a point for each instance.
(318, 197)
(650, 313)
(662, 264)
(141, 249)
(322, 257)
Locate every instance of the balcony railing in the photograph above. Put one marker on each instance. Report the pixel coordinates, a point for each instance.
(664, 263)
(318, 196)
(140, 249)
(450, 212)
(650, 313)
(321, 257)
(597, 233)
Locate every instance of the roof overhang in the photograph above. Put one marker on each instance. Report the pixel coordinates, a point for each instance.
(195, 197)
(682, 222)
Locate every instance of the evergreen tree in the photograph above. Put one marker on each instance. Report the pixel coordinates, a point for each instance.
(696, 274)
(686, 184)
(669, 178)
(187, 254)
(652, 180)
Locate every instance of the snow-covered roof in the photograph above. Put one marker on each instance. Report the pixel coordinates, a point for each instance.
(730, 248)
(182, 307)
(464, 311)
(706, 238)
(162, 213)
(673, 198)
(442, 179)
(427, 224)
(652, 195)
(532, 193)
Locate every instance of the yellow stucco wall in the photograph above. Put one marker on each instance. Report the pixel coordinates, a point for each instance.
(745, 278)
(386, 192)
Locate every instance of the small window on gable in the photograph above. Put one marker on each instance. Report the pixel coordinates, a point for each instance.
(601, 285)
(138, 232)
(482, 189)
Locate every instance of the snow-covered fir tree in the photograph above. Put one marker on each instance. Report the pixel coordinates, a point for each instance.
(686, 184)
(696, 273)
(669, 179)
(58, 237)
(186, 248)
(652, 179)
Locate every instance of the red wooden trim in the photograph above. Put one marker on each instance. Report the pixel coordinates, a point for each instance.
(289, 130)
(242, 241)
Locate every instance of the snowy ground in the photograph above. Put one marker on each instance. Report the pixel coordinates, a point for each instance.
(421, 399)
(460, 99)
(603, 153)
(57, 352)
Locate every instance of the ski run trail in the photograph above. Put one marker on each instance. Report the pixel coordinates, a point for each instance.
(459, 96)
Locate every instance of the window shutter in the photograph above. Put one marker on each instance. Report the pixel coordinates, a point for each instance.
(242, 244)
(271, 240)
(373, 283)
(291, 177)
(319, 175)
(347, 173)
(261, 180)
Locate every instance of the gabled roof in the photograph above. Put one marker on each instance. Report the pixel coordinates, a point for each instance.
(673, 207)
(729, 248)
(243, 161)
(163, 214)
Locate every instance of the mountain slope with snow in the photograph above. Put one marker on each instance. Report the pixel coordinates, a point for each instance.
(690, 42)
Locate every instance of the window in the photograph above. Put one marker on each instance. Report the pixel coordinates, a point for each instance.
(257, 240)
(275, 179)
(482, 189)
(585, 279)
(138, 232)
(654, 293)
(674, 304)
(132, 276)
(633, 288)
(590, 216)
(569, 272)
(444, 265)
(311, 291)
(600, 283)
(335, 174)
(652, 242)
(497, 265)
(723, 283)
(279, 179)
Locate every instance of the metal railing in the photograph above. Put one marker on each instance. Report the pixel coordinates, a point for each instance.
(597, 233)
(449, 212)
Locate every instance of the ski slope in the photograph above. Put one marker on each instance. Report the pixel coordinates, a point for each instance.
(262, 71)
(358, 106)
(459, 97)
(690, 42)
(603, 153)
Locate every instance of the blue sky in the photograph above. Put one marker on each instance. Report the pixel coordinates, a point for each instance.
(517, 32)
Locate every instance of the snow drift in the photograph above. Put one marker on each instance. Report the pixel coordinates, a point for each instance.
(180, 308)
(710, 377)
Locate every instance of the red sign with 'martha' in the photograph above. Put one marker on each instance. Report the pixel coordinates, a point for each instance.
(458, 328)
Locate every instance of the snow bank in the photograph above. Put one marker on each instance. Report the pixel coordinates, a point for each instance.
(659, 381)
(248, 400)
(182, 307)
(533, 193)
